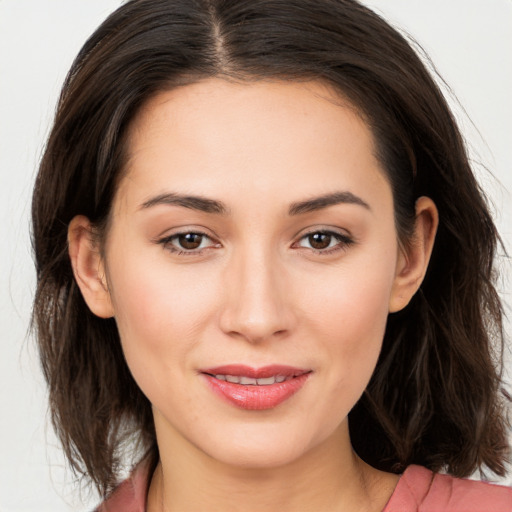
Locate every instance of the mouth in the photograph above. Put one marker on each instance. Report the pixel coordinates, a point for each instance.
(249, 381)
(256, 388)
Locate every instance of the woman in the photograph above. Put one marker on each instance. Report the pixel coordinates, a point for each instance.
(265, 267)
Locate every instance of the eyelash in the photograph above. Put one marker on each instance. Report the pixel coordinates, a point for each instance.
(168, 240)
(344, 241)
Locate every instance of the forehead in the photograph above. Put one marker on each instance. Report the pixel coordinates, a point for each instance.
(213, 106)
(215, 135)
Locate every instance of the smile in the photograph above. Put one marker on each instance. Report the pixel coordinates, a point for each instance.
(255, 389)
(250, 381)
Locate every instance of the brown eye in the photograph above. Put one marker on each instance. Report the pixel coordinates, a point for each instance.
(320, 240)
(190, 241)
(325, 242)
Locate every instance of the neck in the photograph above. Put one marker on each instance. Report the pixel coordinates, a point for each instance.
(329, 477)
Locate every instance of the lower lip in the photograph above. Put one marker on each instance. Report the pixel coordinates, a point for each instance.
(257, 398)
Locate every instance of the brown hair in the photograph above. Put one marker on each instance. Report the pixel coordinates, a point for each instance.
(434, 398)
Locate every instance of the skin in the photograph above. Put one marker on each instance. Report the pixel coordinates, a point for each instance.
(256, 292)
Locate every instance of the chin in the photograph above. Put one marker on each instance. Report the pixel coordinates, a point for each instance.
(257, 459)
(258, 451)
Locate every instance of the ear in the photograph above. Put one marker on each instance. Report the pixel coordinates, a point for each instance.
(88, 267)
(413, 260)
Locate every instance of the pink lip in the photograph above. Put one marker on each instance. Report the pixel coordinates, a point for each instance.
(256, 397)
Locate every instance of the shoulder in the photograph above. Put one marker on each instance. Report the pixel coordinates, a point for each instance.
(419, 489)
(130, 495)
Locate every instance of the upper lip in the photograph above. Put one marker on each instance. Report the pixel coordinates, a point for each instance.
(263, 372)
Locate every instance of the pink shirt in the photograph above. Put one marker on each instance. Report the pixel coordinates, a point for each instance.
(418, 490)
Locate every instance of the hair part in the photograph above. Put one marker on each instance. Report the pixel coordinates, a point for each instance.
(434, 398)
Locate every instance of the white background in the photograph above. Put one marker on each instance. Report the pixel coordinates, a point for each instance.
(470, 42)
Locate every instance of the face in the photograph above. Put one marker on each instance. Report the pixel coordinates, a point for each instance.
(252, 237)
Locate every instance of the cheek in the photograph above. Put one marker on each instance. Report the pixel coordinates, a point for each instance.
(353, 303)
(159, 310)
(349, 317)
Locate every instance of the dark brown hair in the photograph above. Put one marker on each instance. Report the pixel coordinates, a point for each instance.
(434, 398)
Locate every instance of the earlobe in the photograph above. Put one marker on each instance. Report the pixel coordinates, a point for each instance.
(412, 261)
(88, 267)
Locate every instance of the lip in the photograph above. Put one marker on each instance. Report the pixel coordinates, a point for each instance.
(256, 373)
(255, 397)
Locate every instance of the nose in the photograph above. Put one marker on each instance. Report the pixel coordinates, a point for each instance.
(256, 306)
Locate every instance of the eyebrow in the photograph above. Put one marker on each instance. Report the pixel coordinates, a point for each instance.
(218, 207)
(202, 204)
(318, 203)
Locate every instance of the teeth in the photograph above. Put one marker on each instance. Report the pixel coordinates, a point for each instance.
(267, 381)
(249, 381)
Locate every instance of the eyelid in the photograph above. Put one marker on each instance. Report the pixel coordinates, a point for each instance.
(345, 239)
(167, 239)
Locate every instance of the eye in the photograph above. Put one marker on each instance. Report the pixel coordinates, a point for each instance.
(325, 241)
(190, 242)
